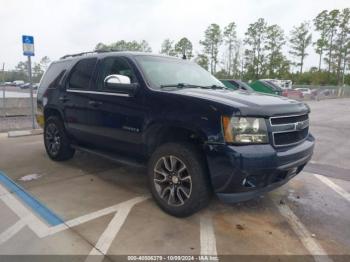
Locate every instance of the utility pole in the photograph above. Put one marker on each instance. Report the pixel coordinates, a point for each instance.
(344, 67)
(31, 90)
(28, 50)
(3, 88)
(184, 53)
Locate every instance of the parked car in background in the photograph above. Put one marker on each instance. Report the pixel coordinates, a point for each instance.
(326, 92)
(236, 84)
(18, 82)
(265, 86)
(293, 93)
(28, 85)
(317, 93)
(284, 84)
(305, 91)
(25, 86)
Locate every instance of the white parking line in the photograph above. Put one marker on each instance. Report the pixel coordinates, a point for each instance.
(111, 231)
(27, 218)
(304, 235)
(207, 235)
(333, 186)
(91, 216)
(11, 231)
(34, 223)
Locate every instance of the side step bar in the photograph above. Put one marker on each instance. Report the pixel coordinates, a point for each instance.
(113, 157)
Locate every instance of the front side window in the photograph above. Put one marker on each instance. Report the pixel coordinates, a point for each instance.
(82, 73)
(114, 66)
(172, 71)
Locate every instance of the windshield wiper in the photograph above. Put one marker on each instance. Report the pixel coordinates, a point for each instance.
(179, 85)
(215, 87)
(183, 85)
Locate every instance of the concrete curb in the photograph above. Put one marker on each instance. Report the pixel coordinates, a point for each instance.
(19, 133)
(3, 135)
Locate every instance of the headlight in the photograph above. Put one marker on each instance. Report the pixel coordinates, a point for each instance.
(244, 130)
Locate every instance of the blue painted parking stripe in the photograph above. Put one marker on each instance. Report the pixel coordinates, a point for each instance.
(38, 207)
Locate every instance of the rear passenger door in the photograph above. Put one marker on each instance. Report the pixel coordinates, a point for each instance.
(76, 100)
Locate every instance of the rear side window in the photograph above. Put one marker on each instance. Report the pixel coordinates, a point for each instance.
(53, 76)
(81, 75)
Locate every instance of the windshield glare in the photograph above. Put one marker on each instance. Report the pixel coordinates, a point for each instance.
(172, 71)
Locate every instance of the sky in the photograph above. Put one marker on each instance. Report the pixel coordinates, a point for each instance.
(73, 26)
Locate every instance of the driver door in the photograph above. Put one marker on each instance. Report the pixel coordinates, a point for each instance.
(118, 117)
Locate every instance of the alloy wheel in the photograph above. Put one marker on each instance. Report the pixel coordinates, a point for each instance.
(53, 139)
(172, 180)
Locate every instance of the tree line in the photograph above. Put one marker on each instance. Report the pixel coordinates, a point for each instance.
(261, 53)
(265, 50)
(21, 71)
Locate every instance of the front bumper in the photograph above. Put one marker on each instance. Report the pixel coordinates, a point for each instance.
(239, 173)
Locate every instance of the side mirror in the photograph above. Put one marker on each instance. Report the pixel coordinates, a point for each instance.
(117, 79)
(120, 84)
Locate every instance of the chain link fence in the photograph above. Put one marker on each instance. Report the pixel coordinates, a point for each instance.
(15, 108)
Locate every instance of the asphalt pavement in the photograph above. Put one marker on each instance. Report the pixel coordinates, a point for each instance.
(89, 205)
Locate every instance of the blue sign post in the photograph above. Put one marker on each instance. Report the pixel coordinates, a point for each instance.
(28, 45)
(28, 50)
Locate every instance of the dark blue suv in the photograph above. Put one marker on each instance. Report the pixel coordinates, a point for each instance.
(194, 135)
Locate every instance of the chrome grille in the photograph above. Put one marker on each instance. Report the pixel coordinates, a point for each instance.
(290, 129)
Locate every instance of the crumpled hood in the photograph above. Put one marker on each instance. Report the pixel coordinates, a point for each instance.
(248, 103)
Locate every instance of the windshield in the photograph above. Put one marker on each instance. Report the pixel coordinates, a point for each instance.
(165, 71)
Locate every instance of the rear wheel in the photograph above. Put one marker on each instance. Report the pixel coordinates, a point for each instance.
(57, 143)
(178, 179)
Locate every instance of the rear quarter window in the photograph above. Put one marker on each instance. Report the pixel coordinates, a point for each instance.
(53, 76)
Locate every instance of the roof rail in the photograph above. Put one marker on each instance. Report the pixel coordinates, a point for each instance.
(83, 53)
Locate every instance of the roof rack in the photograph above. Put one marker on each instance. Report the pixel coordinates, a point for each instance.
(83, 53)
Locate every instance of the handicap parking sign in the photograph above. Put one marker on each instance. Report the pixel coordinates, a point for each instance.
(28, 45)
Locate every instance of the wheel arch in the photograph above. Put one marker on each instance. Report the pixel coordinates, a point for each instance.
(160, 133)
(52, 111)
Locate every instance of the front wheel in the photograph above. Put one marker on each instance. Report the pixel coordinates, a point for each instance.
(178, 179)
(57, 143)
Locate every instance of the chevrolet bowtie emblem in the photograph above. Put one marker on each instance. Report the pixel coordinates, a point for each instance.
(301, 125)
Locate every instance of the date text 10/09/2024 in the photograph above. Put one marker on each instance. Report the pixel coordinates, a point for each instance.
(173, 258)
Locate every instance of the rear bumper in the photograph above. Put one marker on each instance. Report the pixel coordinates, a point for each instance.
(239, 173)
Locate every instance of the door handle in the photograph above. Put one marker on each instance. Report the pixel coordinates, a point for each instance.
(95, 103)
(63, 99)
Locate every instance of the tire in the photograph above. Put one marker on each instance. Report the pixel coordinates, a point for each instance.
(178, 179)
(57, 143)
